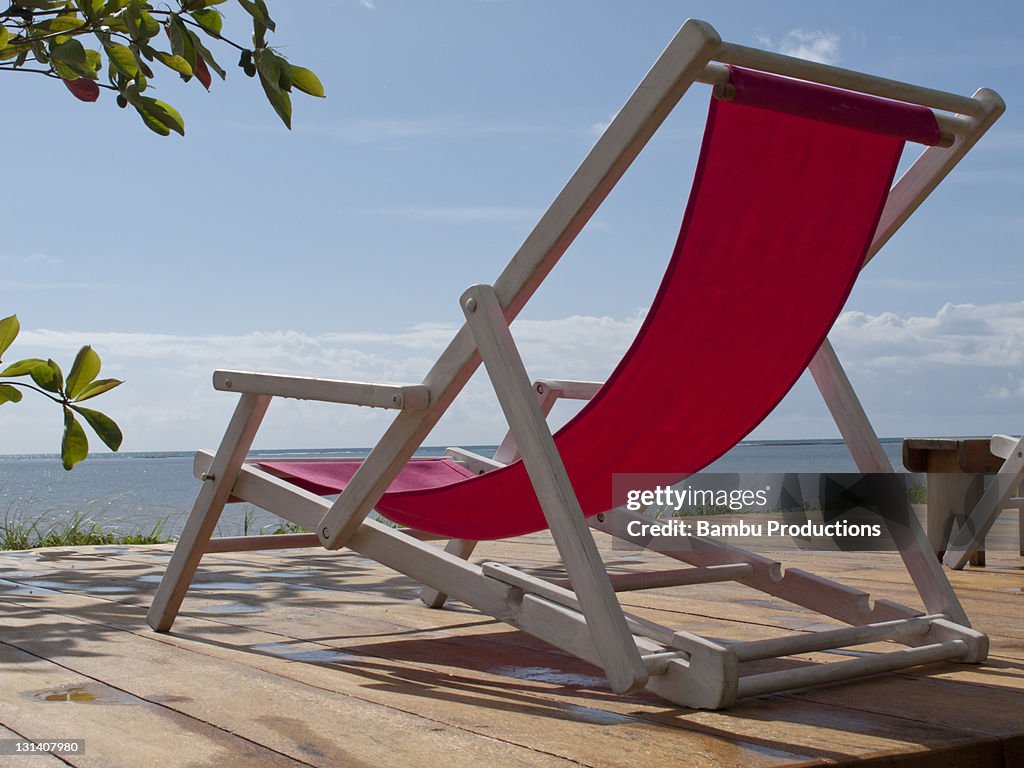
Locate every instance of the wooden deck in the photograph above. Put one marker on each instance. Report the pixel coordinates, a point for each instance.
(304, 658)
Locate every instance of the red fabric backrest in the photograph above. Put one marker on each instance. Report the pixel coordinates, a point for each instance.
(785, 201)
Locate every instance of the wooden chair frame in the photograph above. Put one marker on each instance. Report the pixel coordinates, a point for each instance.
(587, 619)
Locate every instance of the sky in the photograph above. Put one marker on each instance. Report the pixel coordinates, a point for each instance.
(340, 248)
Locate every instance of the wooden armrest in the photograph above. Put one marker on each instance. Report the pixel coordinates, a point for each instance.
(404, 397)
(474, 462)
(569, 390)
(547, 392)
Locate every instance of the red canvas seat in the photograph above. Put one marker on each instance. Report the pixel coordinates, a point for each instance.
(787, 195)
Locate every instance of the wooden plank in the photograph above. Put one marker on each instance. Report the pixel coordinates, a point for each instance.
(557, 716)
(207, 509)
(787, 728)
(291, 722)
(619, 657)
(630, 130)
(43, 698)
(406, 397)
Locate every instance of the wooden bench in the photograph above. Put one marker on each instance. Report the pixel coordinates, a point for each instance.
(955, 469)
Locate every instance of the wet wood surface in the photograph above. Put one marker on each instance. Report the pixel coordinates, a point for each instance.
(308, 658)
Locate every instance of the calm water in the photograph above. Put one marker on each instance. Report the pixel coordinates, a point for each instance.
(139, 491)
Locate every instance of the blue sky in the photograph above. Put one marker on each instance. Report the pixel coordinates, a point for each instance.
(340, 248)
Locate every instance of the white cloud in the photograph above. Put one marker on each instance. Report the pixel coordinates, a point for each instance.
(959, 371)
(961, 335)
(814, 45)
(371, 4)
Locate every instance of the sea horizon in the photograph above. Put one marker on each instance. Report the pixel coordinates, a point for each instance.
(145, 490)
(426, 450)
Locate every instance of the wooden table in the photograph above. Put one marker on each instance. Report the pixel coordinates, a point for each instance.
(956, 469)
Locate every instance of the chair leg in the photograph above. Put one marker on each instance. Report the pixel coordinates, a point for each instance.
(612, 637)
(209, 504)
(461, 548)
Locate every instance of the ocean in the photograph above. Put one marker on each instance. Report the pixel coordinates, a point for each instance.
(139, 492)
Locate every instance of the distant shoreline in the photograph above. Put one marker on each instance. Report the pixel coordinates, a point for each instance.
(427, 450)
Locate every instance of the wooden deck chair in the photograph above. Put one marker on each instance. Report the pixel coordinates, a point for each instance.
(791, 197)
(1004, 492)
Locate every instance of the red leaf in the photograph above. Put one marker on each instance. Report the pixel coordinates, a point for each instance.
(202, 73)
(83, 89)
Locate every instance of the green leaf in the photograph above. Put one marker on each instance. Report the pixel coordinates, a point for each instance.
(306, 81)
(84, 371)
(98, 387)
(158, 116)
(93, 59)
(14, 51)
(181, 41)
(75, 445)
(258, 10)
(165, 113)
(270, 66)
(69, 60)
(89, 7)
(141, 25)
(40, 5)
(22, 367)
(177, 63)
(202, 51)
(113, 6)
(64, 23)
(122, 58)
(4, 36)
(9, 328)
(48, 376)
(9, 394)
(103, 425)
(151, 122)
(209, 19)
(279, 100)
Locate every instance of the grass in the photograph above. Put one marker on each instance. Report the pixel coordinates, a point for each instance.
(81, 532)
(76, 532)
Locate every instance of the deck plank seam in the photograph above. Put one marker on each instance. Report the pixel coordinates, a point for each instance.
(179, 646)
(161, 705)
